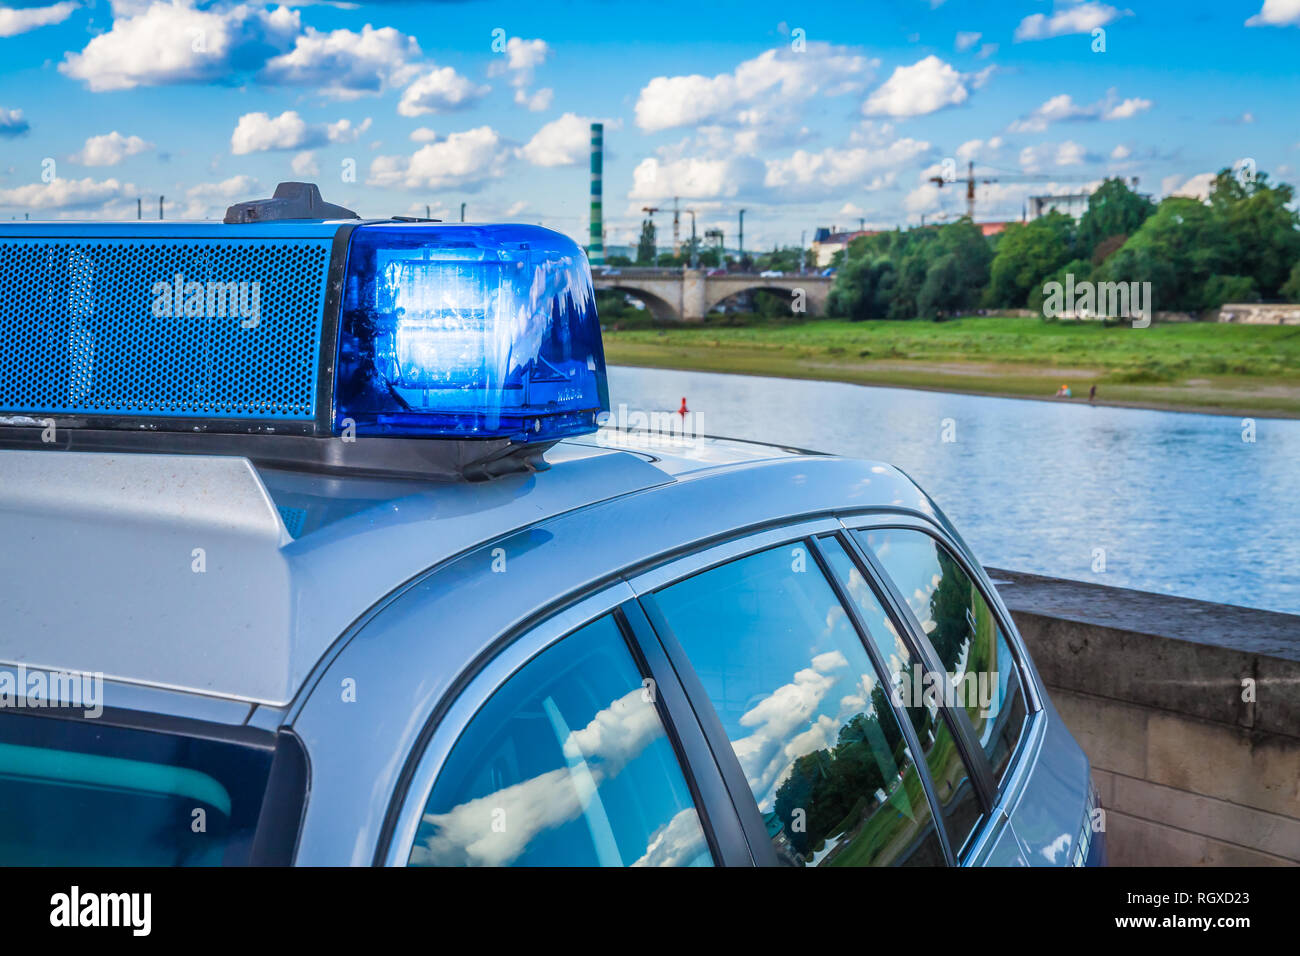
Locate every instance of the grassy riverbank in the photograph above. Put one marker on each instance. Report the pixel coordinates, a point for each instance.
(1206, 367)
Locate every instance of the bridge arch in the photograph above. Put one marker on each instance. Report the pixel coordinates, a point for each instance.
(814, 292)
(656, 304)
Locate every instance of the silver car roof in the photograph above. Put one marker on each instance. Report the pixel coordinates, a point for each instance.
(211, 575)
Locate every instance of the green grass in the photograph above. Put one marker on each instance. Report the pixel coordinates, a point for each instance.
(1197, 366)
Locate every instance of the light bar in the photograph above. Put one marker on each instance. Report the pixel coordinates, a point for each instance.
(467, 332)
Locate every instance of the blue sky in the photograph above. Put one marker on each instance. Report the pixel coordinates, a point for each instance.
(805, 115)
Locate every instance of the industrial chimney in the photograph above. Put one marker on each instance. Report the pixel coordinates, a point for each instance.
(596, 252)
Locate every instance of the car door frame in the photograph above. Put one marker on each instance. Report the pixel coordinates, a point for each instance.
(1002, 796)
(796, 533)
(718, 819)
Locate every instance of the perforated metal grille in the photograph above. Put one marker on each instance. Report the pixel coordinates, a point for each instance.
(96, 327)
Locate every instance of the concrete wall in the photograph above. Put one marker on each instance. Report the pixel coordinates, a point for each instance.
(1190, 771)
(1259, 313)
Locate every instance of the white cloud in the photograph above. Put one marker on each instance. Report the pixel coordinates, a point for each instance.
(976, 148)
(1126, 109)
(465, 159)
(342, 131)
(1198, 187)
(1062, 108)
(236, 187)
(1068, 153)
(562, 142)
(535, 102)
(304, 164)
(520, 59)
(1277, 13)
(440, 90)
(1120, 152)
(967, 39)
(1083, 18)
(109, 149)
(258, 132)
(924, 198)
(12, 123)
(832, 170)
(423, 135)
(677, 843)
(924, 87)
(785, 724)
(14, 22)
(65, 194)
(344, 64)
(774, 79)
(694, 177)
(175, 42)
(614, 737)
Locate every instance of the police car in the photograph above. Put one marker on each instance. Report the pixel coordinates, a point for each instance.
(314, 552)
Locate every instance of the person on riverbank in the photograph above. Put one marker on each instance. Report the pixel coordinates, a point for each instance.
(1092, 394)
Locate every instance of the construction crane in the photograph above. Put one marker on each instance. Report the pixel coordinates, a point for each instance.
(972, 179)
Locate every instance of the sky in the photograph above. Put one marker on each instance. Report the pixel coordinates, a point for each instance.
(805, 115)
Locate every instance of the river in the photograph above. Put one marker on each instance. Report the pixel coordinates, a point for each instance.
(1172, 502)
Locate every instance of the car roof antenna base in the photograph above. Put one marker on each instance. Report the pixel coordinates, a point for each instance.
(291, 201)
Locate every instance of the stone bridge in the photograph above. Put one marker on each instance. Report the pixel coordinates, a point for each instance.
(689, 294)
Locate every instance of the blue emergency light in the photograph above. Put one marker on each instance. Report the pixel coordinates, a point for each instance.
(294, 317)
(468, 331)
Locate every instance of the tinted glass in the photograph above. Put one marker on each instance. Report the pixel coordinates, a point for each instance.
(805, 711)
(567, 764)
(82, 793)
(956, 794)
(960, 624)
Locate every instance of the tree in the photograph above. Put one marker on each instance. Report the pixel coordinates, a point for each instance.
(1081, 269)
(942, 291)
(1260, 226)
(863, 288)
(965, 256)
(1026, 255)
(645, 247)
(1113, 210)
(1177, 250)
(1291, 290)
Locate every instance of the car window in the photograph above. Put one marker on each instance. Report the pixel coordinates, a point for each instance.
(805, 711)
(954, 790)
(567, 764)
(84, 793)
(963, 631)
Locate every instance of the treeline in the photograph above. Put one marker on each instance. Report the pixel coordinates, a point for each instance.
(1243, 245)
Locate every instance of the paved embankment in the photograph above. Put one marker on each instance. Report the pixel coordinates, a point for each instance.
(1188, 710)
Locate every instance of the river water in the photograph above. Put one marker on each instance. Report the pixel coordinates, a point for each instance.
(1171, 502)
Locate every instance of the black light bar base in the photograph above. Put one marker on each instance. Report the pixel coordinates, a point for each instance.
(450, 459)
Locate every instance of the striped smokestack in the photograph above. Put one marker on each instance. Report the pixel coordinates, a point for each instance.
(596, 251)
